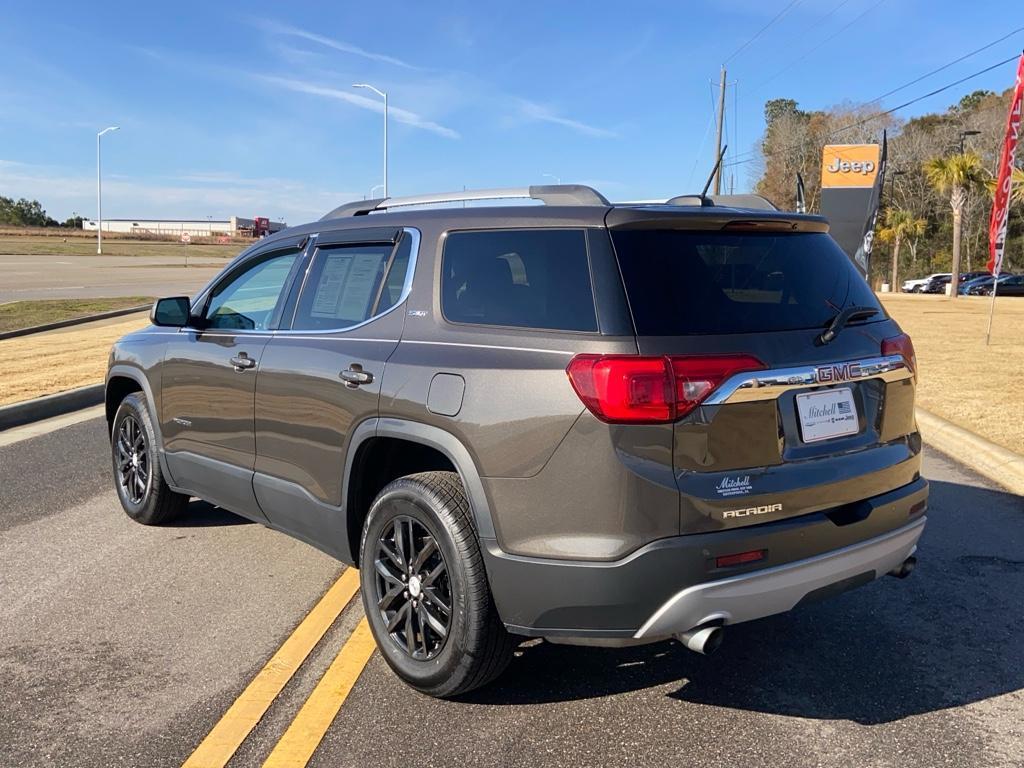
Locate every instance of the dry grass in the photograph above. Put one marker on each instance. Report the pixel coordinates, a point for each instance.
(980, 388)
(25, 314)
(175, 252)
(45, 363)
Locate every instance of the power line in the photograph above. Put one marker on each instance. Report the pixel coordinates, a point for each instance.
(877, 115)
(925, 96)
(912, 82)
(761, 31)
(828, 39)
(950, 64)
(707, 130)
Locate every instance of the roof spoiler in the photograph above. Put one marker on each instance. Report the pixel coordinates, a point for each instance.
(549, 194)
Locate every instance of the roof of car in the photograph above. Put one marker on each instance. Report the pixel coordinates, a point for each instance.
(562, 205)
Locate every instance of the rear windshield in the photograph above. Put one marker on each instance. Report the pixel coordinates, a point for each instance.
(685, 283)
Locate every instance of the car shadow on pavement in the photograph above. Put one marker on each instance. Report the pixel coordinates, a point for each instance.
(202, 514)
(951, 634)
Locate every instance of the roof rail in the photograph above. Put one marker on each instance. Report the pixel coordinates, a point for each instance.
(549, 194)
(726, 201)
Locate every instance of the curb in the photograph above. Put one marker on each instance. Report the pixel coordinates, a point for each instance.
(68, 323)
(18, 414)
(998, 464)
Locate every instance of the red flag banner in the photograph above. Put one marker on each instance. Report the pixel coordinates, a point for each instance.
(1001, 205)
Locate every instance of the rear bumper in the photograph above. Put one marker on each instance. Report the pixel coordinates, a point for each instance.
(673, 584)
(776, 590)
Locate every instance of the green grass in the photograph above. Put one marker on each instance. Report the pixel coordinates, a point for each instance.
(81, 246)
(25, 314)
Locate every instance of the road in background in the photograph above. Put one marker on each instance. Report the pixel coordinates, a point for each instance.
(75, 277)
(124, 645)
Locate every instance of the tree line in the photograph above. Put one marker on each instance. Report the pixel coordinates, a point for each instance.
(939, 181)
(30, 213)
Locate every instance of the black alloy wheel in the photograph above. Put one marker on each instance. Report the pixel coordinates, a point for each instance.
(414, 592)
(134, 470)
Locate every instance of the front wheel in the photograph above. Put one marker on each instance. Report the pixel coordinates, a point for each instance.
(425, 590)
(145, 496)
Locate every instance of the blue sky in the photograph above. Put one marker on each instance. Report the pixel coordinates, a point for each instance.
(247, 109)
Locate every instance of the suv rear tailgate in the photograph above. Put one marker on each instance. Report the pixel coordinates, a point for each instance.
(746, 455)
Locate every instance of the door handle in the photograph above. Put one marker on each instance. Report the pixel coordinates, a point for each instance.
(242, 362)
(354, 376)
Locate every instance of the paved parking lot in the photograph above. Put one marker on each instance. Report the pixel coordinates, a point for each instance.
(125, 645)
(77, 277)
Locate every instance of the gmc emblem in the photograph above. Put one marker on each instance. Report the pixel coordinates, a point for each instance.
(842, 372)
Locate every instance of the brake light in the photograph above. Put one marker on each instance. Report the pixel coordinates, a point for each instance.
(903, 346)
(633, 389)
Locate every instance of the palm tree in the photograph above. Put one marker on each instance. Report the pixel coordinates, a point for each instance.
(1016, 188)
(899, 225)
(959, 175)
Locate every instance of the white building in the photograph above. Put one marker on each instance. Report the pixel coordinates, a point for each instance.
(236, 225)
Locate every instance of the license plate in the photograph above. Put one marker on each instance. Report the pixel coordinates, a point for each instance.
(827, 414)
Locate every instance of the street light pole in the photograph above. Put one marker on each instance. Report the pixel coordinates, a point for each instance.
(965, 134)
(384, 96)
(99, 191)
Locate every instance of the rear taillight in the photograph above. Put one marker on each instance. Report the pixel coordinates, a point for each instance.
(901, 345)
(631, 389)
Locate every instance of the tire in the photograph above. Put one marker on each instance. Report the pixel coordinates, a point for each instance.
(475, 647)
(138, 478)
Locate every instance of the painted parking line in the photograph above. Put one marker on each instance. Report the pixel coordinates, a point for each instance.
(243, 715)
(307, 730)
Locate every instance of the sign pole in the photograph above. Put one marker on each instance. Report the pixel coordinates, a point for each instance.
(991, 311)
(1004, 184)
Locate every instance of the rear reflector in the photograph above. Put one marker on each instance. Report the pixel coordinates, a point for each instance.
(632, 389)
(903, 346)
(740, 558)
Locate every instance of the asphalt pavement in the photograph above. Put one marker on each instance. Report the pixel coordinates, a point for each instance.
(77, 277)
(125, 645)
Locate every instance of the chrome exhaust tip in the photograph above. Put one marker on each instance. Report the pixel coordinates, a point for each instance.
(905, 568)
(704, 640)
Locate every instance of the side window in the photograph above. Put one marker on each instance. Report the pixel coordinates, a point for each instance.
(246, 302)
(528, 278)
(342, 286)
(395, 281)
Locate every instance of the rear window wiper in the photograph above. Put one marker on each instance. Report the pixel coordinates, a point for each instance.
(839, 322)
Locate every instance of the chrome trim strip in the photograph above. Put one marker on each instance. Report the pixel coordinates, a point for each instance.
(767, 385)
(486, 346)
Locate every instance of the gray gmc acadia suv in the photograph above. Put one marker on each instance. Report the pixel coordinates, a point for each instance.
(593, 423)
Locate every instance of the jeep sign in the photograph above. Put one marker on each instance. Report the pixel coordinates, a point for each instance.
(849, 165)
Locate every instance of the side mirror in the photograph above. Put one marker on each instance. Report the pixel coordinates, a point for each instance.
(172, 312)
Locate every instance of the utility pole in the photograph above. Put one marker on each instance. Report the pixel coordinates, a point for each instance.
(717, 183)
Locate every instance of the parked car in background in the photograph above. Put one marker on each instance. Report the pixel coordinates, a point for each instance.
(1009, 285)
(966, 288)
(916, 285)
(966, 277)
(936, 284)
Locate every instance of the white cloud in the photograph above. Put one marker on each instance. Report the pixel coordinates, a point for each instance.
(376, 105)
(330, 42)
(538, 112)
(193, 195)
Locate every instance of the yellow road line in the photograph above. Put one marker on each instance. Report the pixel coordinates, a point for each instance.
(303, 736)
(229, 733)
